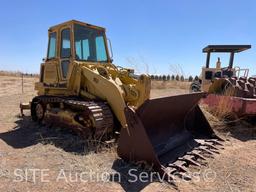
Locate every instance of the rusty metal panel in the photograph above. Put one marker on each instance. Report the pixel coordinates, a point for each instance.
(238, 105)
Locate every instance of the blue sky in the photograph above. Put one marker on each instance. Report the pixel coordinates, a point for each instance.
(155, 36)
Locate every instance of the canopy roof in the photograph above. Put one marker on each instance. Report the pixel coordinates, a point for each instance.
(226, 48)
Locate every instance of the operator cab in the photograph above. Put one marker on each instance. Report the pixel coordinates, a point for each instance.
(208, 73)
(68, 42)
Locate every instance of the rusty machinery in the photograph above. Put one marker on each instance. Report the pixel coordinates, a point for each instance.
(81, 87)
(228, 84)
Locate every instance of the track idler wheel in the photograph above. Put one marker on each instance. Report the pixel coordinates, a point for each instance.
(37, 111)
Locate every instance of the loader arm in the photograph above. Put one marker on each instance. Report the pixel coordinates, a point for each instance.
(106, 89)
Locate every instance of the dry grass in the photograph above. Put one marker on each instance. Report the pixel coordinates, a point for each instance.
(10, 73)
(16, 74)
(224, 109)
(170, 84)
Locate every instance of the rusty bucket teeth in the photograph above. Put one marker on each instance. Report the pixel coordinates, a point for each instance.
(189, 159)
(179, 165)
(207, 144)
(185, 176)
(170, 133)
(196, 154)
(193, 158)
(215, 141)
(205, 150)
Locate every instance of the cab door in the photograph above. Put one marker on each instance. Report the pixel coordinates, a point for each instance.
(49, 70)
(65, 56)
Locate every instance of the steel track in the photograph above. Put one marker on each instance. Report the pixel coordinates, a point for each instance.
(96, 115)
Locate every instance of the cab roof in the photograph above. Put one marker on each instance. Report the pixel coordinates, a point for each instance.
(71, 22)
(226, 48)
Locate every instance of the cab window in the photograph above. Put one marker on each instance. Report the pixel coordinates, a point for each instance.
(52, 46)
(100, 49)
(90, 44)
(65, 43)
(64, 68)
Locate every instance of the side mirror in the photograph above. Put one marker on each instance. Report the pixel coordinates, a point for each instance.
(44, 59)
(110, 46)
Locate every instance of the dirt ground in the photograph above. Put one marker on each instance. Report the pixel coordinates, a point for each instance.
(45, 158)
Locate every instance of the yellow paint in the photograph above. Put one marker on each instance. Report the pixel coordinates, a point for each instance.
(118, 86)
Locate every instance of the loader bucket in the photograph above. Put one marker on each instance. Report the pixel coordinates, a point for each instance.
(164, 129)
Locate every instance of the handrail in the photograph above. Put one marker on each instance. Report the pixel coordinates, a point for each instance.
(238, 69)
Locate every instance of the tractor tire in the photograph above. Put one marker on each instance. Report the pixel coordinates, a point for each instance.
(195, 87)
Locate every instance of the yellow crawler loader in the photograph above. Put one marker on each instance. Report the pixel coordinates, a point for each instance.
(80, 87)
